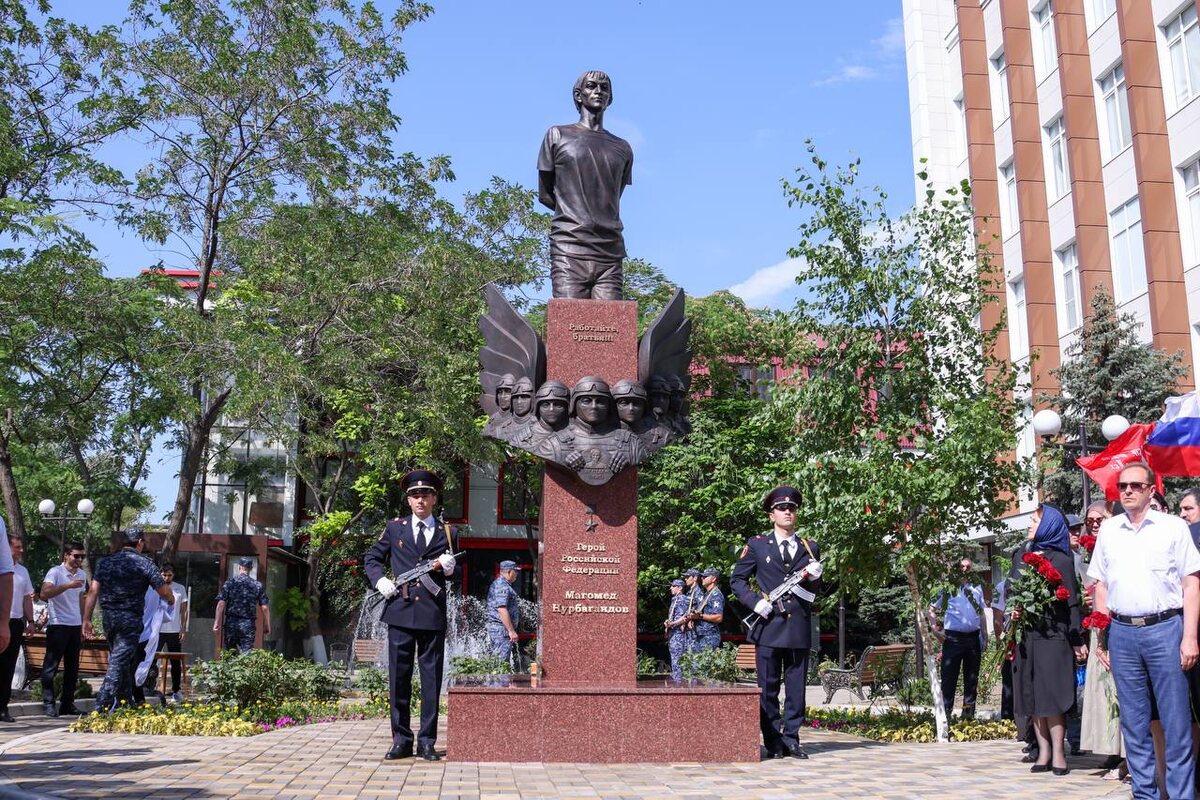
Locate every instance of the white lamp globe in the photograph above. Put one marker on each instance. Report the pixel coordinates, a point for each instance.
(86, 507)
(1047, 422)
(1113, 426)
(46, 507)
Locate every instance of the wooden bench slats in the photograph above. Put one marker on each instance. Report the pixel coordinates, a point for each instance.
(881, 667)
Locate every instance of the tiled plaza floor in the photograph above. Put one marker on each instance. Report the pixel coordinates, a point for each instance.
(343, 760)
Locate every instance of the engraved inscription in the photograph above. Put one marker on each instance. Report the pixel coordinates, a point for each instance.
(593, 333)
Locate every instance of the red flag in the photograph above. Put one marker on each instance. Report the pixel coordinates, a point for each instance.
(1104, 468)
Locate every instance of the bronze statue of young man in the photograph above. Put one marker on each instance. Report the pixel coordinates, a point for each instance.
(582, 171)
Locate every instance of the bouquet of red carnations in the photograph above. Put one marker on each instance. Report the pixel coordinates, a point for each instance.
(1030, 596)
(1088, 542)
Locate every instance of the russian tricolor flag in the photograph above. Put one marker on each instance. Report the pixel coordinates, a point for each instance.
(1174, 446)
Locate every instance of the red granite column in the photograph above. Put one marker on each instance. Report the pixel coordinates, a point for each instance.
(589, 533)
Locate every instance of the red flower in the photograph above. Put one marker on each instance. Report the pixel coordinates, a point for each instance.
(1047, 571)
(1088, 540)
(1033, 559)
(1062, 593)
(1097, 621)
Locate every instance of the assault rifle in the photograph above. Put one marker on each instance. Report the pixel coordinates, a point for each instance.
(790, 585)
(420, 574)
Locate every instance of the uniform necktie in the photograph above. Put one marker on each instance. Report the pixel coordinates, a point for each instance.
(421, 535)
(787, 550)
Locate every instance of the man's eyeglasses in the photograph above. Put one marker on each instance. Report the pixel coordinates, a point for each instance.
(421, 493)
(1133, 486)
(784, 507)
(75, 555)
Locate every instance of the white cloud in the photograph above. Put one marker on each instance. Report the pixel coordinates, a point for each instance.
(887, 51)
(773, 286)
(848, 73)
(891, 43)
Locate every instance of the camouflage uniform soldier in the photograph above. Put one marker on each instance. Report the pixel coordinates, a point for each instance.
(677, 637)
(237, 609)
(694, 594)
(503, 610)
(119, 584)
(709, 612)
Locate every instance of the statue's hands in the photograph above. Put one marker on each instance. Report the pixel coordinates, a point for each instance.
(619, 462)
(575, 460)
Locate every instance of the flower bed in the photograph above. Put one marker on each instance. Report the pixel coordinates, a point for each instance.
(894, 725)
(218, 719)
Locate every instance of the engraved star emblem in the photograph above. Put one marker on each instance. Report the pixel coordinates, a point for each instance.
(591, 524)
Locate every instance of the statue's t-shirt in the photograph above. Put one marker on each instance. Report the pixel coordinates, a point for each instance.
(590, 168)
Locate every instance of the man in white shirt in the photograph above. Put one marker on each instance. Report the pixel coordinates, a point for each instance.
(20, 620)
(1147, 573)
(64, 589)
(172, 633)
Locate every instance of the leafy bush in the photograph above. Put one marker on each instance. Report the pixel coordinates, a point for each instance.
(472, 666)
(264, 675)
(895, 725)
(82, 687)
(712, 665)
(373, 681)
(648, 665)
(915, 693)
(218, 719)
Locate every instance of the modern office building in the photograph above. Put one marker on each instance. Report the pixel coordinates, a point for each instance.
(1078, 126)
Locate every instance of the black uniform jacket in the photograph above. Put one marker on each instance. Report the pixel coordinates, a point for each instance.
(762, 560)
(396, 552)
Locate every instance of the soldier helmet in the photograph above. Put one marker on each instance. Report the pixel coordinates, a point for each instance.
(676, 383)
(628, 388)
(552, 390)
(421, 479)
(590, 386)
(246, 563)
(507, 381)
(658, 384)
(132, 536)
(780, 494)
(523, 387)
(711, 572)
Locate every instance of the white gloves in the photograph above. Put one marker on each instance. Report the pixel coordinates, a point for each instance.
(447, 562)
(763, 608)
(385, 587)
(814, 569)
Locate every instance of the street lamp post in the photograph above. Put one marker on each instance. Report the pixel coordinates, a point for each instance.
(46, 508)
(1047, 424)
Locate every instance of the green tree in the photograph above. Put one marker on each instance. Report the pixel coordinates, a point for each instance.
(1106, 370)
(244, 106)
(903, 433)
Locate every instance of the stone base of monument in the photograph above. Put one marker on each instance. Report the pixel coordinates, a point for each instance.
(508, 719)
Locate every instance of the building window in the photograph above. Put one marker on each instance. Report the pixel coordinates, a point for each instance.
(1000, 87)
(1129, 259)
(1045, 54)
(1059, 178)
(1068, 264)
(1116, 110)
(960, 129)
(1008, 201)
(1101, 11)
(1183, 45)
(1019, 326)
(1191, 185)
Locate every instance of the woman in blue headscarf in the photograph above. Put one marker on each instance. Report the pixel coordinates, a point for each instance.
(1044, 668)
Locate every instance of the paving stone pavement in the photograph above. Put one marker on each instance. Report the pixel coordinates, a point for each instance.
(344, 760)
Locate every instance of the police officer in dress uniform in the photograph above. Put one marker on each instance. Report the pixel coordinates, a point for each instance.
(416, 616)
(503, 610)
(783, 635)
(677, 619)
(709, 611)
(119, 583)
(237, 609)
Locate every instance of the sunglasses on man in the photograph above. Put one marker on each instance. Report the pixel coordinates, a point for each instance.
(784, 507)
(1132, 486)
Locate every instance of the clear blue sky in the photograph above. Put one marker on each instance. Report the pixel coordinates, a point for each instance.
(716, 100)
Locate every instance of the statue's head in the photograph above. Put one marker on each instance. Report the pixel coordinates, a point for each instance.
(630, 397)
(658, 391)
(678, 392)
(591, 399)
(550, 404)
(592, 79)
(522, 398)
(504, 390)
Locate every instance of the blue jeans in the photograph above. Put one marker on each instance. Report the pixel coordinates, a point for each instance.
(1145, 660)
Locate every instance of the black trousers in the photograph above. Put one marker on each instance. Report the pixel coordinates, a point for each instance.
(8, 659)
(960, 652)
(428, 649)
(63, 643)
(780, 666)
(169, 642)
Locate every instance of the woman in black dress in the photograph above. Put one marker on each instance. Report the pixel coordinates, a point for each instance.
(1044, 668)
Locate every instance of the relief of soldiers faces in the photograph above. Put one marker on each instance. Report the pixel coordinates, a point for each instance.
(592, 409)
(504, 392)
(678, 394)
(522, 398)
(660, 396)
(630, 398)
(553, 413)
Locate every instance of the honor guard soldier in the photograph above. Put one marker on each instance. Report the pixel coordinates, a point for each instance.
(677, 619)
(782, 631)
(504, 610)
(693, 593)
(415, 614)
(709, 612)
(119, 584)
(237, 609)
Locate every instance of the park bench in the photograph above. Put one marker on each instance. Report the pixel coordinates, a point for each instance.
(93, 657)
(882, 667)
(746, 658)
(367, 651)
